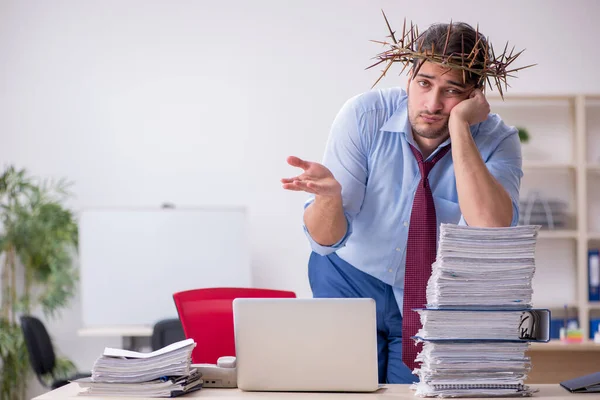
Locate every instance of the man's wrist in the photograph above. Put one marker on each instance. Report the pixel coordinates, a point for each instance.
(457, 125)
(328, 201)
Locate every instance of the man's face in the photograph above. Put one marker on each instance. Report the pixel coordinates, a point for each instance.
(432, 94)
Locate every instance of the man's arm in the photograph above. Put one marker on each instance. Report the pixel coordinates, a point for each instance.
(483, 200)
(325, 220)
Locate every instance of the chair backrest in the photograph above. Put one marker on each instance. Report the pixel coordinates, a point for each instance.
(207, 317)
(166, 332)
(39, 346)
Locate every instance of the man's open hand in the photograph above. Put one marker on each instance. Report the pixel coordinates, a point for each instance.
(316, 179)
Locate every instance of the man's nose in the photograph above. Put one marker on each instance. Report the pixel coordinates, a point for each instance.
(433, 103)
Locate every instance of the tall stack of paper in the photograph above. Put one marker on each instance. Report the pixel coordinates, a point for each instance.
(166, 372)
(479, 318)
(483, 267)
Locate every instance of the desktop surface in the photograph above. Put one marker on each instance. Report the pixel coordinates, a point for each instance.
(399, 392)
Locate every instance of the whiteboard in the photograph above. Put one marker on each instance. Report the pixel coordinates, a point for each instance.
(133, 260)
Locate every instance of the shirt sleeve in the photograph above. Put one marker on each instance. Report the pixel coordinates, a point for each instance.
(346, 156)
(506, 165)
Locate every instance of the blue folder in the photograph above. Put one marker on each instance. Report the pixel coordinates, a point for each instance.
(594, 275)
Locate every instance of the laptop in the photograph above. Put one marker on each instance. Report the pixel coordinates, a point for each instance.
(312, 345)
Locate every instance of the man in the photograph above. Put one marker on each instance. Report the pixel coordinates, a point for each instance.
(394, 160)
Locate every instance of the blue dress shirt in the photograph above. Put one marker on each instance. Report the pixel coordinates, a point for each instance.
(368, 153)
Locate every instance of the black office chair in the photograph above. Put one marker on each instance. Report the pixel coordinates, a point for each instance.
(41, 352)
(166, 332)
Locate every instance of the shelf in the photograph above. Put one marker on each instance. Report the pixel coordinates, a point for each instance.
(593, 167)
(557, 307)
(534, 97)
(529, 100)
(563, 165)
(557, 345)
(557, 234)
(548, 165)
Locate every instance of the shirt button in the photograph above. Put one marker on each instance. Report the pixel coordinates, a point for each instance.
(390, 270)
(398, 249)
(405, 223)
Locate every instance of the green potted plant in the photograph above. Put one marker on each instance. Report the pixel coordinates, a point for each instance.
(38, 238)
(523, 134)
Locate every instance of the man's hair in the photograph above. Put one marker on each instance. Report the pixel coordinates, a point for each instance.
(456, 39)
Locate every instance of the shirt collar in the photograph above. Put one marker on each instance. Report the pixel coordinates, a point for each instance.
(400, 123)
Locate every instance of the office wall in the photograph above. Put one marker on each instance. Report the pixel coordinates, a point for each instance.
(200, 102)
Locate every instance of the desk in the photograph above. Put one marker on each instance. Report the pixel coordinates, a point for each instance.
(556, 361)
(134, 337)
(398, 392)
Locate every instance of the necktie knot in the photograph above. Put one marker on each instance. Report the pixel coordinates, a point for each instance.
(426, 166)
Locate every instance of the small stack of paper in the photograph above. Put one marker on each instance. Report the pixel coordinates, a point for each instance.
(166, 372)
(479, 318)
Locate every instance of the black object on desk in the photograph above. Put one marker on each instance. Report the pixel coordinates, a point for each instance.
(583, 384)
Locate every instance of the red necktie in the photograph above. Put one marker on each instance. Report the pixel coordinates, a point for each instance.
(420, 254)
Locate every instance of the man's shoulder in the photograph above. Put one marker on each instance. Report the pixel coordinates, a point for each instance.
(494, 126)
(387, 99)
(492, 133)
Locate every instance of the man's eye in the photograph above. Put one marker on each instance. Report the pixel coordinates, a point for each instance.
(423, 83)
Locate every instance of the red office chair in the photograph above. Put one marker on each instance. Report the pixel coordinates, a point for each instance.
(207, 317)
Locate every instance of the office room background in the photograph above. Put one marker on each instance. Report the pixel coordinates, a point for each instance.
(200, 102)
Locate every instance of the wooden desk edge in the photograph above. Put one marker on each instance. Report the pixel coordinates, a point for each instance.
(546, 391)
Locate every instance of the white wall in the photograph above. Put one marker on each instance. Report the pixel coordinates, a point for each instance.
(199, 102)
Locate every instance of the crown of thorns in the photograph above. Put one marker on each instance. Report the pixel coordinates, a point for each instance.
(487, 66)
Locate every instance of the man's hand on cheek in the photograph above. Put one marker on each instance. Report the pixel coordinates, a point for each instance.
(473, 110)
